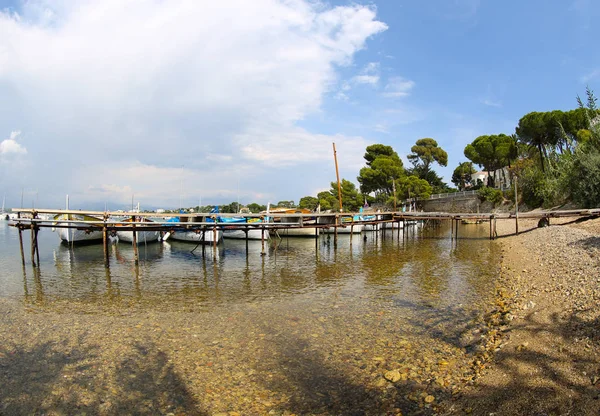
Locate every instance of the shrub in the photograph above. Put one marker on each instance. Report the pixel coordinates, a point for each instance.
(490, 194)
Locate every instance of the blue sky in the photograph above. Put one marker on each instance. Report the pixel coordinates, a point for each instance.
(179, 100)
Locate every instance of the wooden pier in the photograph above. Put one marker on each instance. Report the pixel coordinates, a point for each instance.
(108, 223)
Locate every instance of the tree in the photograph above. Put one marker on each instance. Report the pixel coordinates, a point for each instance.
(256, 208)
(308, 202)
(384, 166)
(327, 201)
(491, 152)
(352, 200)
(413, 187)
(424, 153)
(462, 175)
(552, 130)
(286, 204)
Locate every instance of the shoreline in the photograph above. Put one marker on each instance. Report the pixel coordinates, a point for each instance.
(547, 357)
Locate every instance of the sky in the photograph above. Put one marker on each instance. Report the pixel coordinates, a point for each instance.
(180, 102)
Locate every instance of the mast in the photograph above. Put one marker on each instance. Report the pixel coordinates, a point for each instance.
(337, 174)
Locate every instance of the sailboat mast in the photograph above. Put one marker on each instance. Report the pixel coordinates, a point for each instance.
(337, 174)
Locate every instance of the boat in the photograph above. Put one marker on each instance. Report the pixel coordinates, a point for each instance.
(194, 234)
(233, 227)
(142, 237)
(294, 226)
(236, 229)
(74, 228)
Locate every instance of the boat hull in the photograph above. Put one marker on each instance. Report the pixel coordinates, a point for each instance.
(73, 235)
(298, 232)
(239, 234)
(196, 237)
(355, 229)
(141, 238)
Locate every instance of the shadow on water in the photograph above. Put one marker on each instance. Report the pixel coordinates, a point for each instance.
(314, 386)
(56, 379)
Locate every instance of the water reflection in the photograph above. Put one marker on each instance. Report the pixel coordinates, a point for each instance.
(426, 267)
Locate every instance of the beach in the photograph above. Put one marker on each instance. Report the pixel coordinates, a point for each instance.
(532, 349)
(547, 359)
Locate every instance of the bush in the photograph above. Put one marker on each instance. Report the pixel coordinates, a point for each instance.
(491, 195)
(584, 177)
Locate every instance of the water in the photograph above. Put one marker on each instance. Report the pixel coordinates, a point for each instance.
(427, 268)
(373, 303)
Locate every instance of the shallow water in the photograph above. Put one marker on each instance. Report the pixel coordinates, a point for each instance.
(311, 326)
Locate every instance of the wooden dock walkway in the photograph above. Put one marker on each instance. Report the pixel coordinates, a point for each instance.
(109, 222)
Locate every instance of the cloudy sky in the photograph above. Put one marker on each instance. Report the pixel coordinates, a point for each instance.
(186, 100)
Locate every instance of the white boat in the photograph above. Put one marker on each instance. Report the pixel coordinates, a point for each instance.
(240, 233)
(293, 226)
(142, 237)
(72, 228)
(345, 229)
(298, 232)
(371, 227)
(196, 236)
(392, 225)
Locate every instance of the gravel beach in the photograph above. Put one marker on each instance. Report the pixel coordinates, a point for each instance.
(548, 360)
(533, 351)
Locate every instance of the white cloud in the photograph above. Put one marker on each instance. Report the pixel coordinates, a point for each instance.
(170, 83)
(491, 103)
(398, 87)
(366, 79)
(10, 146)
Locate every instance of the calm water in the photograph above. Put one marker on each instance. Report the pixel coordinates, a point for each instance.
(422, 269)
(309, 328)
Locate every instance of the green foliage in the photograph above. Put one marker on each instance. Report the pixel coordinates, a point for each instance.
(352, 200)
(584, 177)
(489, 194)
(551, 131)
(412, 187)
(232, 208)
(492, 152)
(328, 201)
(256, 208)
(285, 204)
(383, 167)
(308, 202)
(424, 153)
(462, 175)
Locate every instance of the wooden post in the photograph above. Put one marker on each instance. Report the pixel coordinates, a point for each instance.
(516, 207)
(21, 244)
(351, 232)
(136, 258)
(337, 173)
(105, 240)
(335, 229)
(215, 234)
(262, 240)
(37, 247)
(33, 244)
(451, 228)
(203, 241)
(456, 229)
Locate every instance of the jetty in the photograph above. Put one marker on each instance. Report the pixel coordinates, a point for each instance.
(109, 222)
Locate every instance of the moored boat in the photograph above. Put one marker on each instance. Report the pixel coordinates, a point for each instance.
(142, 237)
(206, 235)
(74, 228)
(295, 226)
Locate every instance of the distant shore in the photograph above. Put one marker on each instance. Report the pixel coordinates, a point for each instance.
(548, 359)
